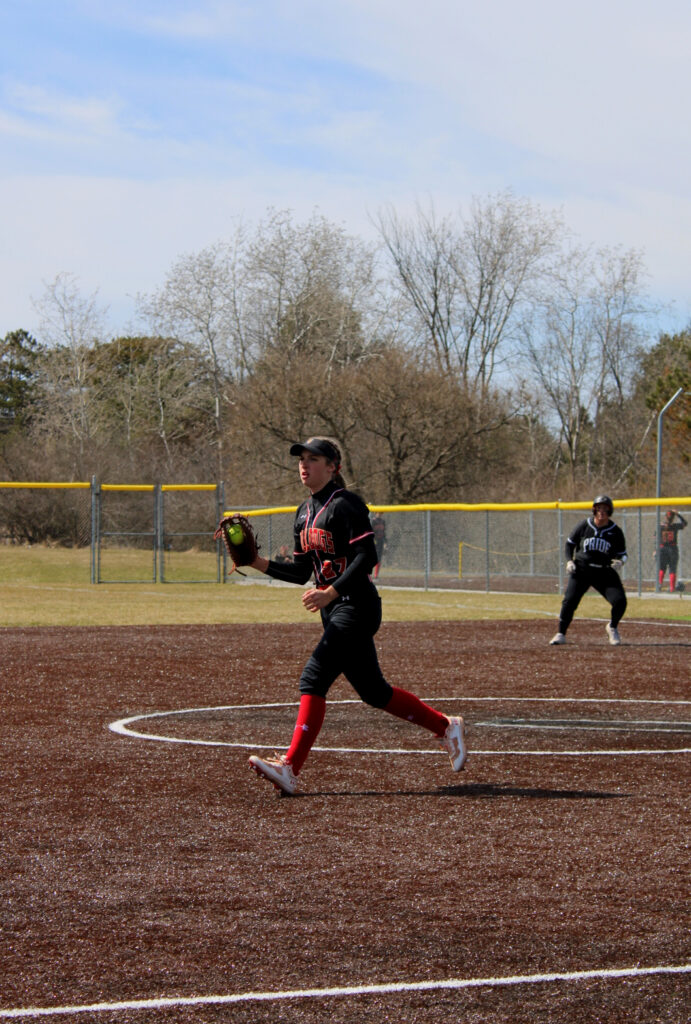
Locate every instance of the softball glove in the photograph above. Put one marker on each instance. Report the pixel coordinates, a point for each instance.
(237, 533)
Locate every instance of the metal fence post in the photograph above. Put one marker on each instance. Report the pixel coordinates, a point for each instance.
(95, 519)
(560, 547)
(159, 544)
(427, 534)
(220, 507)
(658, 488)
(640, 551)
(487, 583)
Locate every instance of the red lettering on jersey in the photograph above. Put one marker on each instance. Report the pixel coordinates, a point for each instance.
(314, 539)
(330, 570)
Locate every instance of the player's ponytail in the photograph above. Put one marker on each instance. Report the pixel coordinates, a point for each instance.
(337, 478)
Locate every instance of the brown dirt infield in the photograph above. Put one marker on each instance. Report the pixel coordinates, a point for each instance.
(142, 870)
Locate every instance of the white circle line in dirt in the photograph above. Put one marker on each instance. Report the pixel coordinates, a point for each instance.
(352, 991)
(124, 727)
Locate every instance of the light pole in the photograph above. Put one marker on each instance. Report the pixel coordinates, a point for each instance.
(659, 482)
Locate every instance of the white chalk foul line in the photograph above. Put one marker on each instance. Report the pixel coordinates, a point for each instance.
(345, 991)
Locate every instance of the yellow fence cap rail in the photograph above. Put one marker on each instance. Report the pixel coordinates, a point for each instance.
(487, 506)
(188, 487)
(74, 485)
(261, 511)
(127, 487)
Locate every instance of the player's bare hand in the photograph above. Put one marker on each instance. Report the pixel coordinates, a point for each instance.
(314, 600)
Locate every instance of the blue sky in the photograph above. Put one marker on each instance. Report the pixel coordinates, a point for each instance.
(134, 132)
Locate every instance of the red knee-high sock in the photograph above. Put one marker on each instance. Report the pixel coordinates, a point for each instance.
(407, 705)
(672, 580)
(309, 721)
(661, 576)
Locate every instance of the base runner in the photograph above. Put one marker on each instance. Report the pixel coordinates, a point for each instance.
(594, 552)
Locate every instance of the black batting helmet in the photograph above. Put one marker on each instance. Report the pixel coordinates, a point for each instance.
(604, 499)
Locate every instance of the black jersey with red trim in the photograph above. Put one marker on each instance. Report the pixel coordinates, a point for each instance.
(669, 531)
(593, 547)
(334, 541)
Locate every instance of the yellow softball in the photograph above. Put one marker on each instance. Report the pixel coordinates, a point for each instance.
(235, 534)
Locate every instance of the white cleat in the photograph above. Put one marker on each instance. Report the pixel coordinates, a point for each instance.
(558, 639)
(453, 741)
(613, 634)
(277, 771)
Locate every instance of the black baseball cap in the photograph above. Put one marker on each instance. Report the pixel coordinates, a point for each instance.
(318, 446)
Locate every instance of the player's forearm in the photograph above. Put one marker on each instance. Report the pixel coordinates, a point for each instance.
(359, 568)
(286, 572)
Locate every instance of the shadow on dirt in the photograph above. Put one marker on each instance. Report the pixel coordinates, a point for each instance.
(488, 790)
(476, 791)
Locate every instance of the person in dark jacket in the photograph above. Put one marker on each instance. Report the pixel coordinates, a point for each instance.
(595, 550)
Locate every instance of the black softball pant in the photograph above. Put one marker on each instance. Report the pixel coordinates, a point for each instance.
(605, 581)
(347, 646)
(669, 559)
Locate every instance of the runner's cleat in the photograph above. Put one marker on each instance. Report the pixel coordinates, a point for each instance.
(613, 634)
(277, 770)
(453, 741)
(557, 639)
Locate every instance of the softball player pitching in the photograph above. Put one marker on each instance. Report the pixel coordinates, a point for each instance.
(334, 541)
(594, 552)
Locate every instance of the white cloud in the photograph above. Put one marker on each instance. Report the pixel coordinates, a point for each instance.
(41, 106)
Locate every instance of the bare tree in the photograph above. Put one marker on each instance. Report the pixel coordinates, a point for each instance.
(304, 292)
(620, 316)
(428, 289)
(70, 326)
(155, 406)
(416, 427)
(310, 290)
(659, 373)
(464, 281)
(196, 305)
(579, 346)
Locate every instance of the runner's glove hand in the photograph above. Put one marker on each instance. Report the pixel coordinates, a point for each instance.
(617, 563)
(570, 566)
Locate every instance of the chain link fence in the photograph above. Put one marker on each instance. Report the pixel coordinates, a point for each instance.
(518, 548)
(45, 513)
(164, 533)
(172, 523)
